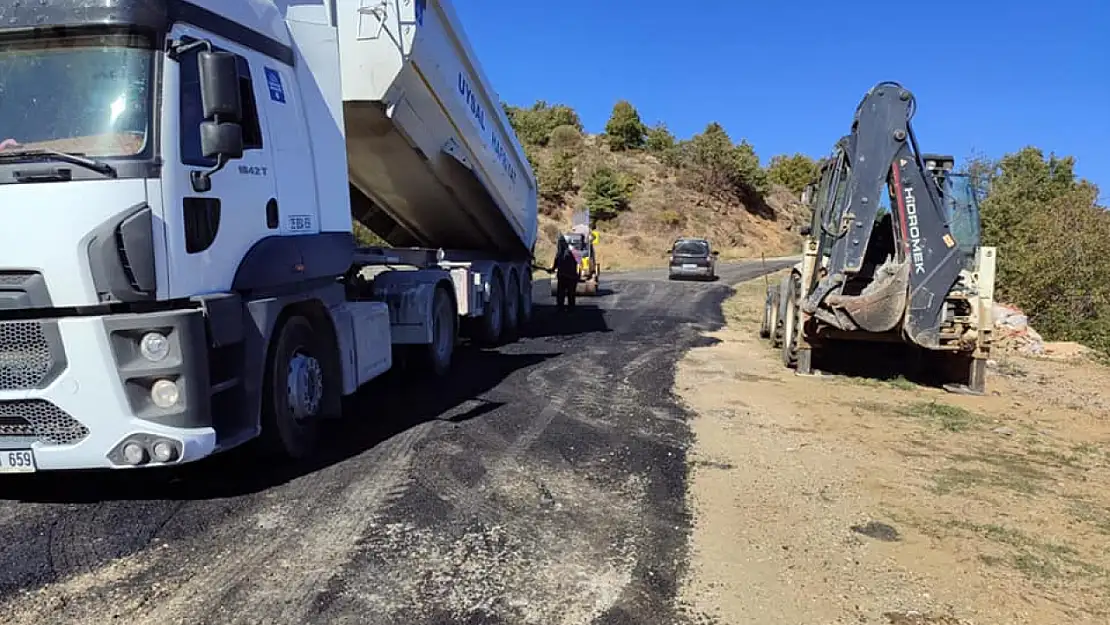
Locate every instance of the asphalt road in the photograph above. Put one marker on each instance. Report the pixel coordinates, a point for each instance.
(544, 483)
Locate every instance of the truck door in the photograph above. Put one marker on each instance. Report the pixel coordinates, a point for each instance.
(294, 171)
(209, 232)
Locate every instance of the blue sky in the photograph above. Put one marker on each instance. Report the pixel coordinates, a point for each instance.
(989, 75)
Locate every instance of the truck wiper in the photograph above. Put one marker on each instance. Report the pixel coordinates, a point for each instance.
(67, 157)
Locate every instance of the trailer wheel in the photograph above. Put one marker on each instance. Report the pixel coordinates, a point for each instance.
(511, 302)
(492, 319)
(790, 326)
(294, 389)
(525, 300)
(435, 357)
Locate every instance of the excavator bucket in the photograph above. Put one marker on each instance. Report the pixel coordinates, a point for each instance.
(882, 304)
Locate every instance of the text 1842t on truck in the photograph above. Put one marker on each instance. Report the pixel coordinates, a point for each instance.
(178, 273)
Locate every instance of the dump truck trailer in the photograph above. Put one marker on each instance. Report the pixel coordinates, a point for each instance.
(179, 273)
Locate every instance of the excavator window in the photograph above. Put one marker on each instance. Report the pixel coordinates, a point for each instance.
(962, 210)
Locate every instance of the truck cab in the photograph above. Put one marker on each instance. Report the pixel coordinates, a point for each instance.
(178, 273)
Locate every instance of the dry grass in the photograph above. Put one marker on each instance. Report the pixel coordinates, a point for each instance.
(998, 504)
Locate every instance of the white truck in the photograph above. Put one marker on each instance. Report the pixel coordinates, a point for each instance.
(178, 271)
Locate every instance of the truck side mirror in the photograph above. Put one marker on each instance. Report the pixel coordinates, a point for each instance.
(221, 140)
(219, 86)
(716, 252)
(221, 134)
(805, 231)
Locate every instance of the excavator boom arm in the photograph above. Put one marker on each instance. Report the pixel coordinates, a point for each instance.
(891, 255)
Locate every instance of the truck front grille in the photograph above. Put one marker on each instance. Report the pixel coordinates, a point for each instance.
(26, 360)
(37, 420)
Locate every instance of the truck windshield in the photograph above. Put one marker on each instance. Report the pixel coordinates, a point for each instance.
(83, 94)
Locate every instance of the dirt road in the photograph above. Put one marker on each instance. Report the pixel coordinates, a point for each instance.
(841, 499)
(546, 484)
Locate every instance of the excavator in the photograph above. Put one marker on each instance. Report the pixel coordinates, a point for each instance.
(892, 254)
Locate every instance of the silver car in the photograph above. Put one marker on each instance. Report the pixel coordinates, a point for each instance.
(693, 258)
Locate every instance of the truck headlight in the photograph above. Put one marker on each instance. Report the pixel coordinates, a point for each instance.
(154, 346)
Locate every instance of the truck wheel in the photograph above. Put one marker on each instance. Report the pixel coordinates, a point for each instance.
(790, 325)
(435, 357)
(776, 312)
(765, 323)
(294, 389)
(511, 314)
(492, 319)
(525, 301)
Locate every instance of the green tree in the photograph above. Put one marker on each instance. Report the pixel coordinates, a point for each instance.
(625, 130)
(556, 178)
(659, 138)
(1053, 243)
(566, 138)
(608, 193)
(711, 163)
(534, 125)
(793, 172)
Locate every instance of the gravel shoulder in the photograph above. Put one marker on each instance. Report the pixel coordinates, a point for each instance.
(835, 499)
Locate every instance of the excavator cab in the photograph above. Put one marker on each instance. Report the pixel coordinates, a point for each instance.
(961, 206)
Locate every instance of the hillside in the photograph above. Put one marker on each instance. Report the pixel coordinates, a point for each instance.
(660, 209)
(644, 188)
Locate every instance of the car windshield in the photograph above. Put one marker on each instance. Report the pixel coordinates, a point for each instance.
(85, 94)
(691, 248)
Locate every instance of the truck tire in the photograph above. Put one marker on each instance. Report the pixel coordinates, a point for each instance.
(490, 327)
(510, 324)
(294, 389)
(790, 324)
(525, 300)
(435, 357)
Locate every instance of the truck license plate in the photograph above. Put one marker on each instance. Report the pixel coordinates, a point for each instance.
(689, 266)
(17, 461)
